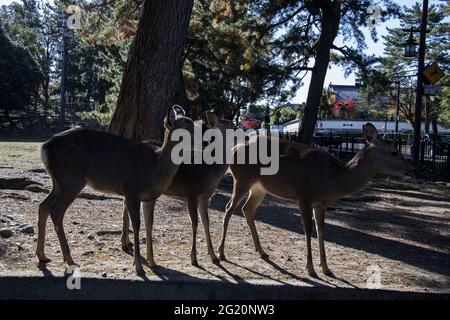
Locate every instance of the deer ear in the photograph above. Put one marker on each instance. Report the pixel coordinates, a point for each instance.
(370, 132)
(170, 118)
(210, 118)
(178, 110)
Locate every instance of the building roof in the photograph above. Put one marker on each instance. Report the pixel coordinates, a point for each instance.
(344, 92)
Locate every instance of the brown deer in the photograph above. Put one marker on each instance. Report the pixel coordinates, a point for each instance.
(313, 178)
(139, 171)
(194, 183)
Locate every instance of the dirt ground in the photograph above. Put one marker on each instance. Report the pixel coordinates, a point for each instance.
(401, 228)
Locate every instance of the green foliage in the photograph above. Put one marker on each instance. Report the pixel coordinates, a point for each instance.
(109, 71)
(327, 102)
(238, 53)
(443, 105)
(287, 114)
(229, 63)
(19, 75)
(93, 69)
(393, 66)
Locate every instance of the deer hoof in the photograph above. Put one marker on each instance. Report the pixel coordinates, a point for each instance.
(221, 252)
(215, 260)
(140, 272)
(71, 263)
(127, 247)
(222, 256)
(311, 272)
(151, 263)
(328, 272)
(44, 260)
(194, 262)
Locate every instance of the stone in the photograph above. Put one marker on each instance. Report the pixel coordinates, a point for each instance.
(36, 188)
(108, 232)
(87, 253)
(26, 229)
(6, 233)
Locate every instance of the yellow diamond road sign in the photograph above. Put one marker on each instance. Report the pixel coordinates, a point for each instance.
(433, 73)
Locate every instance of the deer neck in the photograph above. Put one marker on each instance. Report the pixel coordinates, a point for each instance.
(357, 172)
(165, 155)
(222, 164)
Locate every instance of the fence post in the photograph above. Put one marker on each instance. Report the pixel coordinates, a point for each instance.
(346, 142)
(422, 153)
(448, 160)
(330, 140)
(353, 145)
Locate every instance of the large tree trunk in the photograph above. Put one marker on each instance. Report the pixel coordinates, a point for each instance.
(152, 73)
(427, 116)
(180, 96)
(62, 86)
(331, 12)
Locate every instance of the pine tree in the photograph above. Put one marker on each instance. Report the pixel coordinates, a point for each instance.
(150, 78)
(395, 67)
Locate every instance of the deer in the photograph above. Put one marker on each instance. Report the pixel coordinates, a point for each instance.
(314, 179)
(138, 171)
(195, 184)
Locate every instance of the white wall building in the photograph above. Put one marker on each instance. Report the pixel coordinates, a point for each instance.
(354, 125)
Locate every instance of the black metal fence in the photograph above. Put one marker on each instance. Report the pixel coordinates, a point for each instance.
(434, 151)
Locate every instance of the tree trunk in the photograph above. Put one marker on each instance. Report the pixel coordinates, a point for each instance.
(150, 79)
(331, 13)
(180, 97)
(62, 86)
(427, 116)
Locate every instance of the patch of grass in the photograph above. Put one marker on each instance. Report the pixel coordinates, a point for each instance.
(23, 155)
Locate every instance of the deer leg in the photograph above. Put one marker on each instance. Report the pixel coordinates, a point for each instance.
(319, 215)
(127, 245)
(133, 206)
(254, 199)
(203, 209)
(149, 208)
(306, 214)
(57, 212)
(239, 192)
(193, 214)
(44, 212)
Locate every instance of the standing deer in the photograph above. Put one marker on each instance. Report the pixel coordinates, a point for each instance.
(139, 171)
(313, 178)
(195, 183)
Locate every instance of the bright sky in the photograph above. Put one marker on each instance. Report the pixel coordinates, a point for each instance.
(336, 74)
(6, 2)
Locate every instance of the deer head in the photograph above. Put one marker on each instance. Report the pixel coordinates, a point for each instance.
(213, 121)
(176, 119)
(384, 155)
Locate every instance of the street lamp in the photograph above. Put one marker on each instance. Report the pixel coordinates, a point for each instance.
(410, 46)
(397, 114)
